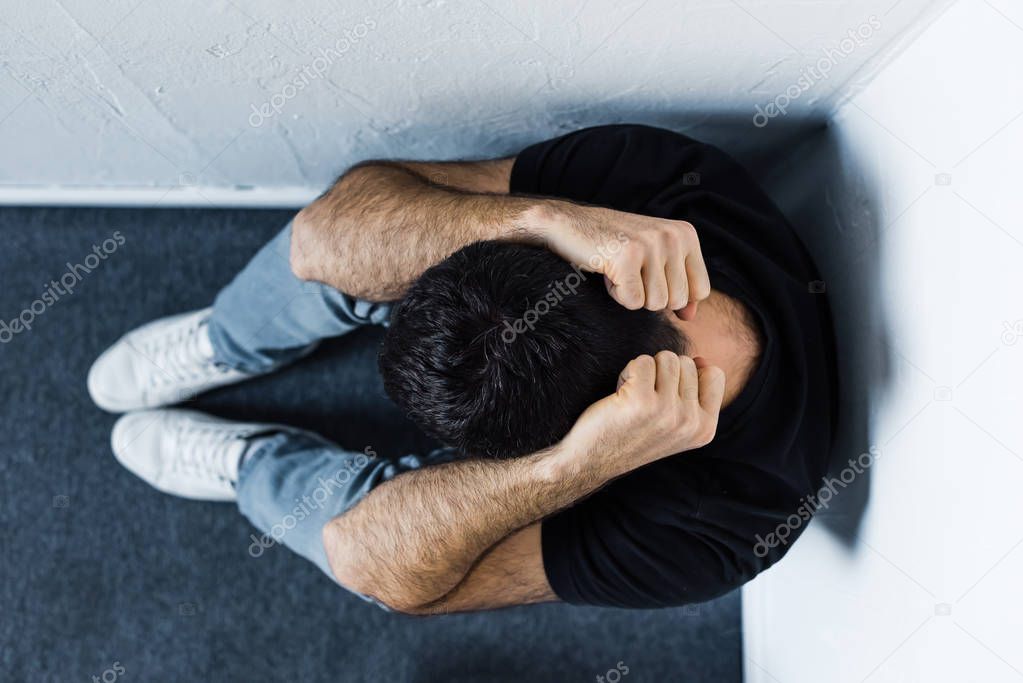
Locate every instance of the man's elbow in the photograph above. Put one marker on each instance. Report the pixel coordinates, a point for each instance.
(353, 572)
(304, 245)
(317, 229)
(344, 558)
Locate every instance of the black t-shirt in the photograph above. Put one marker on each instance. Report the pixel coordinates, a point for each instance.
(684, 529)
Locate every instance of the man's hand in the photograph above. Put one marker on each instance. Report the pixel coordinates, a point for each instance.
(664, 405)
(652, 263)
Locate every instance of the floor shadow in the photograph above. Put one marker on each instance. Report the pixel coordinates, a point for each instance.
(832, 204)
(435, 135)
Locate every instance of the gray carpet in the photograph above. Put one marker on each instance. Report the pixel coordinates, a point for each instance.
(102, 576)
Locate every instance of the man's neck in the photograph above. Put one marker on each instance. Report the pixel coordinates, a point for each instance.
(725, 333)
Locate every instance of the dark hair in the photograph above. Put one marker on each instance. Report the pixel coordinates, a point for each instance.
(500, 347)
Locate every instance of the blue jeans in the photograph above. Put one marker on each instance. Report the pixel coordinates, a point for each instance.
(292, 483)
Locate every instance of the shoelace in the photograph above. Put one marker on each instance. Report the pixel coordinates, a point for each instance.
(179, 357)
(205, 449)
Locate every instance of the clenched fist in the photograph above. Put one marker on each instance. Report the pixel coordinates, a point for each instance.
(664, 405)
(652, 263)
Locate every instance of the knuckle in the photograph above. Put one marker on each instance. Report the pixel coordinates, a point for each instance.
(644, 361)
(630, 295)
(656, 302)
(669, 361)
(679, 298)
(672, 238)
(648, 245)
(633, 251)
(641, 364)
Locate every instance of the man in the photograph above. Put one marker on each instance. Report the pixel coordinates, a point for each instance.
(657, 494)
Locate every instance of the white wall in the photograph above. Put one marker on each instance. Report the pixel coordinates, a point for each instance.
(127, 95)
(928, 587)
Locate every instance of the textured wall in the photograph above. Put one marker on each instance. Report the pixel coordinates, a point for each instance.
(280, 96)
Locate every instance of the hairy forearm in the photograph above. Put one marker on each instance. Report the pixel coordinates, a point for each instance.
(412, 540)
(509, 573)
(383, 223)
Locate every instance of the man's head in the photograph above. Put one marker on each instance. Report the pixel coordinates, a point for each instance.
(500, 347)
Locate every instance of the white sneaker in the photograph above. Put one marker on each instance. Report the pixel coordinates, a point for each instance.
(166, 361)
(184, 452)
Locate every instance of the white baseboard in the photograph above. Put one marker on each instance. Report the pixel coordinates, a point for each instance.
(159, 197)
